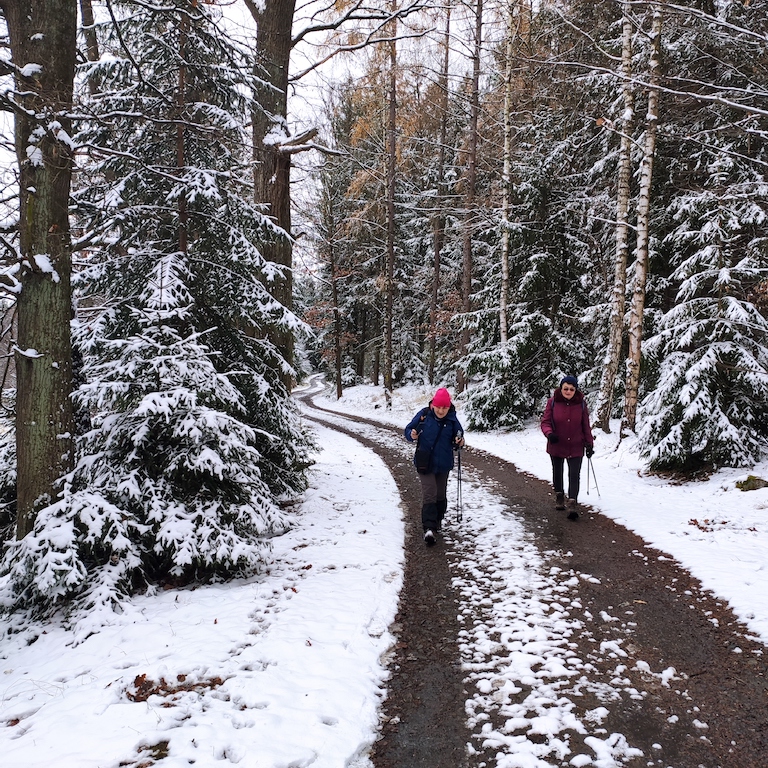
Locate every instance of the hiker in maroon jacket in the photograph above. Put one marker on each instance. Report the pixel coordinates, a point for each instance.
(565, 423)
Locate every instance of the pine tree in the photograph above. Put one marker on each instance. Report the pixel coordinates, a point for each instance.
(706, 364)
(167, 488)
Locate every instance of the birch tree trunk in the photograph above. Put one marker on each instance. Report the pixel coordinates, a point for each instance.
(470, 190)
(438, 225)
(643, 217)
(43, 45)
(618, 299)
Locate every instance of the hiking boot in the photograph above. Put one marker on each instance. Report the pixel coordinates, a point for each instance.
(429, 538)
(573, 512)
(560, 500)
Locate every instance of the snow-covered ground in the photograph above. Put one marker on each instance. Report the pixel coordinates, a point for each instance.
(286, 669)
(281, 670)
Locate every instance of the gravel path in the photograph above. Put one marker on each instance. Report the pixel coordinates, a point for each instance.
(526, 640)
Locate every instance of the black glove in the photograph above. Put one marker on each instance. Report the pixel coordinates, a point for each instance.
(553, 438)
(589, 451)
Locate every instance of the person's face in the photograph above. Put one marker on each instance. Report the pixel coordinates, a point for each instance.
(441, 411)
(568, 390)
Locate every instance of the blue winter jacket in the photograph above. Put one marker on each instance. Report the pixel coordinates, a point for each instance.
(437, 436)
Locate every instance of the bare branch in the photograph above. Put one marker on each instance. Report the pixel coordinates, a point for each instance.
(369, 40)
(357, 12)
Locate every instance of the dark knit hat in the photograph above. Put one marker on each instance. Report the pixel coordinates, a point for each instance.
(570, 380)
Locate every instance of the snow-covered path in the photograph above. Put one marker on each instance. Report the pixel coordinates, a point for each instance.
(517, 620)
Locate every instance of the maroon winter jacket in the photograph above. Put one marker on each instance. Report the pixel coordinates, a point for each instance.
(569, 420)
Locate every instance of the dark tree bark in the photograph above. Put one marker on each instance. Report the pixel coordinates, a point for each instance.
(272, 165)
(43, 44)
(470, 188)
(338, 353)
(438, 221)
(91, 41)
(389, 275)
(181, 160)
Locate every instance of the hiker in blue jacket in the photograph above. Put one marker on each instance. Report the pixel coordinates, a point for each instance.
(437, 432)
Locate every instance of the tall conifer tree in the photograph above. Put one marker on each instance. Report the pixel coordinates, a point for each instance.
(193, 437)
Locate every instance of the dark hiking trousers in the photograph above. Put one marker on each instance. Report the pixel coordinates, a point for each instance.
(574, 475)
(433, 489)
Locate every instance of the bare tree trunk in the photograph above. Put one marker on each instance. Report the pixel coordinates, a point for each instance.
(43, 45)
(376, 368)
(389, 281)
(618, 300)
(643, 217)
(513, 32)
(518, 33)
(272, 167)
(180, 149)
(438, 233)
(91, 41)
(470, 190)
(336, 319)
(506, 177)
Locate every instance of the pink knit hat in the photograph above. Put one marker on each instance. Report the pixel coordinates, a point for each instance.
(441, 399)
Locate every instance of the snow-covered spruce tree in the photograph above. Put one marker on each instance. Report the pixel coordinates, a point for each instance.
(551, 280)
(559, 162)
(194, 436)
(167, 486)
(709, 407)
(707, 362)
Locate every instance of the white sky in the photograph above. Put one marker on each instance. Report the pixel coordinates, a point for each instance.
(286, 669)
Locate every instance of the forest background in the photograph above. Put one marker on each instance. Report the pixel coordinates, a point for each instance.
(482, 195)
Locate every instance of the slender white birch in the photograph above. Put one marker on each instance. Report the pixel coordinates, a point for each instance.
(618, 300)
(643, 217)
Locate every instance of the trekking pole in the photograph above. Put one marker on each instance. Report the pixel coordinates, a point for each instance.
(459, 500)
(591, 466)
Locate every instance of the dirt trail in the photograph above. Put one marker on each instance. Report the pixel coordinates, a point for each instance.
(674, 623)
